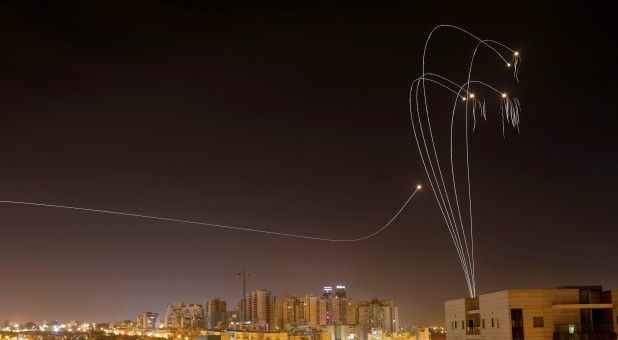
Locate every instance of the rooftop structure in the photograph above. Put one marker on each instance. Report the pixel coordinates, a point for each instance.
(564, 313)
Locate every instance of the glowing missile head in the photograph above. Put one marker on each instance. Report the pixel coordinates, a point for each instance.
(508, 64)
(463, 98)
(471, 95)
(418, 187)
(516, 53)
(504, 95)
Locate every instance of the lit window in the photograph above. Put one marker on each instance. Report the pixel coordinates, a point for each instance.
(537, 321)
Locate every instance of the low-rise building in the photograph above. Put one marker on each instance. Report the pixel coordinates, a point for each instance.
(260, 336)
(564, 313)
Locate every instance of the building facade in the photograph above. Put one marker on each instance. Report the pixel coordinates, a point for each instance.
(261, 310)
(308, 312)
(564, 313)
(377, 315)
(260, 335)
(147, 320)
(288, 313)
(181, 316)
(215, 314)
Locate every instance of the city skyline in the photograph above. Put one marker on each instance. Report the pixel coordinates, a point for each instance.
(293, 120)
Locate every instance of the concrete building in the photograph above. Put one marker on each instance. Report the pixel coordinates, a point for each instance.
(328, 291)
(340, 291)
(377, 315)
(326, 312)
(386, 335)
(423, 333)
(310, 335)
(335, 308)
(260, 336)
(345, 311)
(308, 312)
(214, 335)
(181, 316)
(564, 313)
(261, 310)
(215, 314)
(147, 320)
(346, 332)
(288, 313)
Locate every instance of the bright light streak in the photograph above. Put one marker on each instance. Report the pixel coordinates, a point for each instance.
(255, 230)
(445, 190)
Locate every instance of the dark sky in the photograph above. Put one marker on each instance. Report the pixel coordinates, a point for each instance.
(292, 119)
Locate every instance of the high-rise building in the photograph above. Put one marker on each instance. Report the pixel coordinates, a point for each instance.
(351, 311)
(335, 308)
(147, 320)
(288, 312)
(376, 315)
(181, 316)
(326, 313)
(340, 291)
(261, 310)
(344, 311)
(215, 314)
(242, 313)
(308, 313)
(328, 291)
(572, 312)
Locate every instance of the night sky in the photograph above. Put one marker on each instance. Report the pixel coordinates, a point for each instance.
(295, 120)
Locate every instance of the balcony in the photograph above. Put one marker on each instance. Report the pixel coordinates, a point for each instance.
(587, 332)
(473, 331)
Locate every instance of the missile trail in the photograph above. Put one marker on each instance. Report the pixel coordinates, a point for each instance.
(254, 230)
(446, 190)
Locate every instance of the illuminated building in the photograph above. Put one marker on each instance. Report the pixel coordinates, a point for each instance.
(326, 313)
(288, 312)
(425, 333)
(214, 335)
(261, 310)
(308, 313)
(420, 334)
(340, 291)
(181, 316)
(147, 320)
(215, 314)
(260, 336)
(575, 312)
(310, 335)
(377, 315)
(346, 332)
(328, 291)
(335, 308)
(344, 311)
